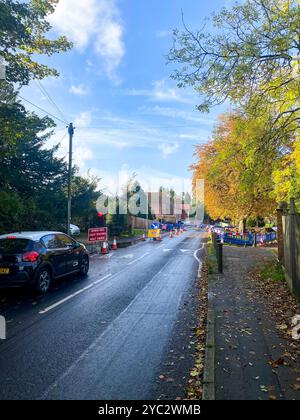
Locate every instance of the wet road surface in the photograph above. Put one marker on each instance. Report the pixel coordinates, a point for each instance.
(102, 337)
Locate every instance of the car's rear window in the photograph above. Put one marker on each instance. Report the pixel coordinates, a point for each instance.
(14, 246)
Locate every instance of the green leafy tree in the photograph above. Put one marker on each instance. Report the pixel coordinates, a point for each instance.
(250, 52)
(23, 30)
(85, 194)
(117, 222)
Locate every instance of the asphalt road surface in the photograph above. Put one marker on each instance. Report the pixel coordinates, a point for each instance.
(102, 337)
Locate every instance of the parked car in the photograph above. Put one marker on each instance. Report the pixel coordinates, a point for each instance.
(38, 258)
(74, 230)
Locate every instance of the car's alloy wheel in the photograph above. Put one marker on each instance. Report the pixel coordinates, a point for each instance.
(44, 281)
(84, 266)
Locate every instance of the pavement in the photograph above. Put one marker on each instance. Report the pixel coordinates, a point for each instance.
(246, 339)
(102, 337)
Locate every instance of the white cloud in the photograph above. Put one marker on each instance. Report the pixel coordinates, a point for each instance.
(79, 90)
(168, 149)
(93, 24)
(150, 179)
(161, 92)
(82, 155)
(83, 120)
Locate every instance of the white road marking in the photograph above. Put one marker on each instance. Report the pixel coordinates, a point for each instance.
(106, 257)
(196, 253)
(66, 299)
(185, 250)
(138, 259)
(167, 250)
(106, 331)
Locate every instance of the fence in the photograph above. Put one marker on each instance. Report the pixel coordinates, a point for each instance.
(139, 223)
(247, 239)
(291, 246)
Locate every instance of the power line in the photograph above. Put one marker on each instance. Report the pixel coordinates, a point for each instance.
(62, 139)
(43, 110)
(44, 91)
(135, 129)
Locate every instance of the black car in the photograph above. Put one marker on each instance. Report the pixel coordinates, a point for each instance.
(38, 258)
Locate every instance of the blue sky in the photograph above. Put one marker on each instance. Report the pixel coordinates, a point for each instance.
(116, 88)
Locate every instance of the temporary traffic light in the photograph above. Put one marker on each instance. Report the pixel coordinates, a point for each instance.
(101, 219)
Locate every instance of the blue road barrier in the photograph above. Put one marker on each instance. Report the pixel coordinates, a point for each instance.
(247, 239)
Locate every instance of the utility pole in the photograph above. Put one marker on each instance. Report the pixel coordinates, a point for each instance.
(71, 134)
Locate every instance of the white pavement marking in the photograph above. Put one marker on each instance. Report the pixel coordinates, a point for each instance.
(138, 259)
(196, 253)
(185, 250)
(167, 250)
(55, 305)
(200, 262)
(66, 299)
(127, 256)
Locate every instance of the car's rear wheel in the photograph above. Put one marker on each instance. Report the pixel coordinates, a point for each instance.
(43, 280)
(85, 265)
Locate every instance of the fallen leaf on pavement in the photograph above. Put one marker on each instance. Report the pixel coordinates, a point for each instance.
(276, 363)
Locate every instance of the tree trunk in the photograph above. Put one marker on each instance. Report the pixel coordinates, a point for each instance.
(242, 226)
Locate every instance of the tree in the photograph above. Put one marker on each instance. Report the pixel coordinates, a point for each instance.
(238, 181)
(23, 26)
(29, 171)
(252, 52)
(287, 175)
(85, 194)
(33, 180)
(116, 221)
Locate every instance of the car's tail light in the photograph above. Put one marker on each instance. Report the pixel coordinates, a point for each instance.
(30, 256)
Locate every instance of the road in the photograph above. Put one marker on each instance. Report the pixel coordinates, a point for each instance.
(102, 337)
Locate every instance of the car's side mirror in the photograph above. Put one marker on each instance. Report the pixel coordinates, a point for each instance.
(77, 245)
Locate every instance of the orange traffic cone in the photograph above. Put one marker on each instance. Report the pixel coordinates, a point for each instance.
(143, 237)
(115, 245)
(159, 238)
(104, 249)
(171, 235)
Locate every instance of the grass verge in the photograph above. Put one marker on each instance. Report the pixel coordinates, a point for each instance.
(272, 271)
(212, 264)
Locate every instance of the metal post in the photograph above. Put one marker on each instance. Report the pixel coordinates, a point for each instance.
(220, 257)
(71, 133)
(255, 239)
(293, 248)
(281, 212)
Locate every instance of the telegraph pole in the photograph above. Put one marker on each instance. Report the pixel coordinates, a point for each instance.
(71, 134)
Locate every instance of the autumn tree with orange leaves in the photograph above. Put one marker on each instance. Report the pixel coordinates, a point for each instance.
(238, 179)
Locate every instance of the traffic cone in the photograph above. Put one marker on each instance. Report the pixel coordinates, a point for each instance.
(159, 238)
(115, 245)
(144, 238)
(104, 249)
(177, 232)
(171, 234)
